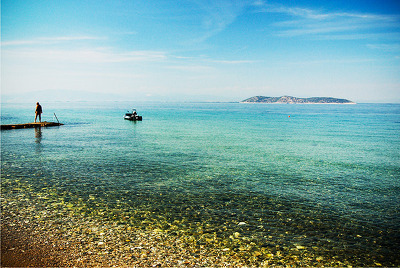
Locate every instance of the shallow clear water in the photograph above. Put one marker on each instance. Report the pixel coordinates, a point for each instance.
(321, 177)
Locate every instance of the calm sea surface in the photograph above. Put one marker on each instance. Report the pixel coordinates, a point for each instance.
(315, 177)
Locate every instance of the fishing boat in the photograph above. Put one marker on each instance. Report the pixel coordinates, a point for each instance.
(133, 116)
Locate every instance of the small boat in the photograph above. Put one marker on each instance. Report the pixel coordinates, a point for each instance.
(133, 116)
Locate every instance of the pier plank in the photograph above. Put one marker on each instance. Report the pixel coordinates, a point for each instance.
(31, 125)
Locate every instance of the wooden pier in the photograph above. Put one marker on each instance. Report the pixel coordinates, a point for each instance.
(31, 125)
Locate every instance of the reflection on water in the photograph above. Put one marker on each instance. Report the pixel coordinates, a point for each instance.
(38, 134)
(38, 140)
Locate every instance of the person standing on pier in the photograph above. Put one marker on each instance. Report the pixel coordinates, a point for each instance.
(38, 112)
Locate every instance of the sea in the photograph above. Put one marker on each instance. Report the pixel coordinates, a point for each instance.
(290, 177)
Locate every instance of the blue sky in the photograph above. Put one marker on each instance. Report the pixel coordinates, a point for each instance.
(202, 50)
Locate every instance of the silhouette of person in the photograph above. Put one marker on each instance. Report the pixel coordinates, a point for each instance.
(38, 112)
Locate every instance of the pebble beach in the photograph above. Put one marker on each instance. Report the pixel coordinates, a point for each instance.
(37, 234)
(32, 237)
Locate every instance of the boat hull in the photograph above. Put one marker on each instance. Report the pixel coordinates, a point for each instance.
(133, 118)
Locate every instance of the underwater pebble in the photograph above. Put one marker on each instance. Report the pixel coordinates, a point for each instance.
(160, 247)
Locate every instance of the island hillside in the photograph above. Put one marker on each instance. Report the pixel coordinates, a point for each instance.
(290, 99)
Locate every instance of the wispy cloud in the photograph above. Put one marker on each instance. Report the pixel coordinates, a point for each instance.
(202, 64)
(322, 24)
(359, 36)
(192, 68)
(51, 48)
(93, 55)
(233, 61)
(48, 40)
(385, 47)
(217, 15)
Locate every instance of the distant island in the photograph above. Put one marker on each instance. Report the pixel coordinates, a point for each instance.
(294, 100)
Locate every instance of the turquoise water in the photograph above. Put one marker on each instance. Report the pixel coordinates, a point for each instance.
(325, 178)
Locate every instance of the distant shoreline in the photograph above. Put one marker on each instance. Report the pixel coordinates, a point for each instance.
(278, 103)
(50, 102)
(296, 100)
(305, 103)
